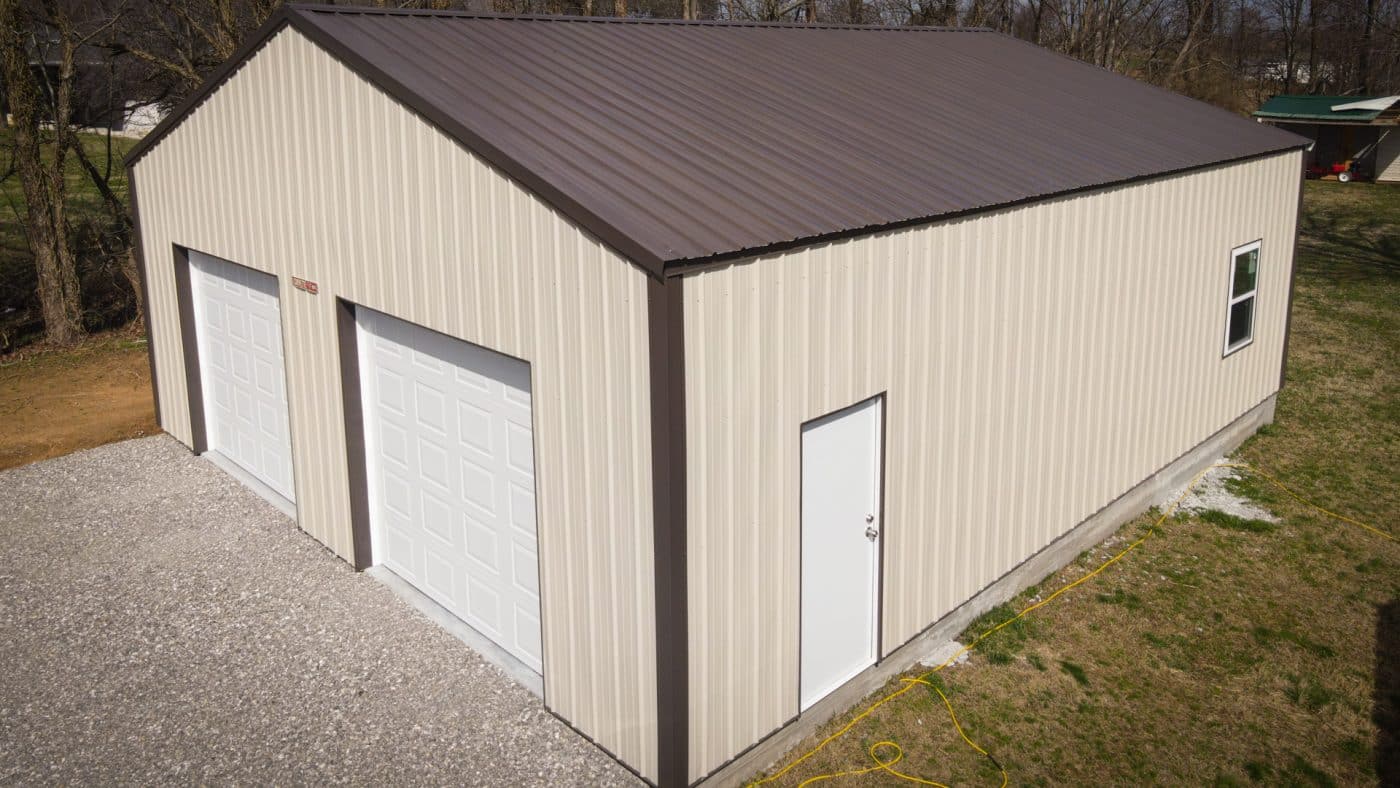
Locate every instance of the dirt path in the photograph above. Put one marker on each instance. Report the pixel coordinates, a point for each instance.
(59, 402)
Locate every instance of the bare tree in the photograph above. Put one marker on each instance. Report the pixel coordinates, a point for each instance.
(43, 182)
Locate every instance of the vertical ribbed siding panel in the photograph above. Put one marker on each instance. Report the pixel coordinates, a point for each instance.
(1388, 155)
(353, 191)
(1039, 362)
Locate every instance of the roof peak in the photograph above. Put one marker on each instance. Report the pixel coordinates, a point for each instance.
(317, 8)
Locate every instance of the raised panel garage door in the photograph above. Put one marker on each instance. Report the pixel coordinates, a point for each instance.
(239, 330)
(451, 472)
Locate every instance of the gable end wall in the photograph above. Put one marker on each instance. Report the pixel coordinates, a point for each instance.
(299, 167)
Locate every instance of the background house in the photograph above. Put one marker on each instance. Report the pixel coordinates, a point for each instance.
(1343, 128)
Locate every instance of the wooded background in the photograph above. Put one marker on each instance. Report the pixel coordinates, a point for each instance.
(70, 69)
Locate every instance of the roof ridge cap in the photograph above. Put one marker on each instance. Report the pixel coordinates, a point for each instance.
(317, 8)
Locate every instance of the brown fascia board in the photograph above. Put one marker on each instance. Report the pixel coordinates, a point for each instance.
(304, 24)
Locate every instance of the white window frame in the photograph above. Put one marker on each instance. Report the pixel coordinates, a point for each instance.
(1233, 299)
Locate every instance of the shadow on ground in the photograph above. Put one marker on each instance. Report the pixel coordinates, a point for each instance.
(1352, 246)
(1387, 698)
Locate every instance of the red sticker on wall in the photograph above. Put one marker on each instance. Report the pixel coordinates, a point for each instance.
(305, 285)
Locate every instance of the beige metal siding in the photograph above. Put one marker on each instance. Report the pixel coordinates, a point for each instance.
(1039, 362)
(1388, 155)
(299, 167)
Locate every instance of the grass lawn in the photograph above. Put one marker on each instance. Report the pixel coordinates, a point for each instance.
(1221, 652)
(17, 277)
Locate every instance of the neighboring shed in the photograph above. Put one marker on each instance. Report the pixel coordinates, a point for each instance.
(1343, 128)
(702, 367)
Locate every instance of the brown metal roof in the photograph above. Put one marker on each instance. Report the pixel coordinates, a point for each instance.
(682, 141)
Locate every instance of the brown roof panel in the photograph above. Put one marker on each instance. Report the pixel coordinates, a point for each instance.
(682, 141)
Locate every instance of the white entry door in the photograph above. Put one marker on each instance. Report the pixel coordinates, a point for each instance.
(840, 547)
(451, 473)
(239, 331)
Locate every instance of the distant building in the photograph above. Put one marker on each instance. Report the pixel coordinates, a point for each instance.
(103, 97)
(1356, 128)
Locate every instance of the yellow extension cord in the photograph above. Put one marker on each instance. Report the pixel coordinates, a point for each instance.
(892, 752)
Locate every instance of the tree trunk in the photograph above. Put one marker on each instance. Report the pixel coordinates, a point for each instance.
(1364, 80)
(121, 222)
(950, 13)
(1195, 23)
(64, 136)
(619, 7)
(1312, 45)
(46, 222)
(133, 276)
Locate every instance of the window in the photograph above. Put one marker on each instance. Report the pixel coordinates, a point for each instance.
(1244, 282)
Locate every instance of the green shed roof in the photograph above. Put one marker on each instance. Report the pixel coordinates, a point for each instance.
(1317, 108)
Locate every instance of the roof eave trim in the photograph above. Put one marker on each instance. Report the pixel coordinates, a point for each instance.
(682, 266)
(1335, 120)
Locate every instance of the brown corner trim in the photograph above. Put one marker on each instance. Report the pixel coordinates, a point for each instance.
(189, 346)
(352, 406)
(666, 338)
(145, 278)
(1293, 272)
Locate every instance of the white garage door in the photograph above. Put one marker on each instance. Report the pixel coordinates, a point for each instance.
(451, 475)
(239, 330)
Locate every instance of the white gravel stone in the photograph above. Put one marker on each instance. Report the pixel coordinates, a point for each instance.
(943, 653)
(160, 622)
(1211, 493)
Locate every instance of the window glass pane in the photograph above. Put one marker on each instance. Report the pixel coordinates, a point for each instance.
(1241, 321)
(1246, 270)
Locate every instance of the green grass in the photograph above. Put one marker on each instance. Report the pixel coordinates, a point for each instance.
(1075, 672)
(17, 277)
(1235, 523)
(1270, 637)
(1225, 650)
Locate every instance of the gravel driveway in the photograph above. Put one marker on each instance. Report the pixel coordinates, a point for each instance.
(158, 622)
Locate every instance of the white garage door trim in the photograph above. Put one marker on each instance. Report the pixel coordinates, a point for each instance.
(449, 454)
(238, 330)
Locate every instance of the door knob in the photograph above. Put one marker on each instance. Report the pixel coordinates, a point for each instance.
(870, 518)
(871, 533)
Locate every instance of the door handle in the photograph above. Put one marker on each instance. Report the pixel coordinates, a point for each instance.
(871, 533)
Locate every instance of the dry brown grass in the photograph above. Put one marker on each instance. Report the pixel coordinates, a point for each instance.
(1211, 655)
(60, 401)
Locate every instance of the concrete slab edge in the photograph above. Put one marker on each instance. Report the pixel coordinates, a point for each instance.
(1098, 527)
(251, 482)
(508, 663)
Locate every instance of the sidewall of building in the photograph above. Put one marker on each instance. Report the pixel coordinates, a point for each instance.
(1036, 363)
(298, 167)
(1388, 155)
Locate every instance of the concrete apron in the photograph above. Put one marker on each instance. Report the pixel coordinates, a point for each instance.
(1156, 490)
